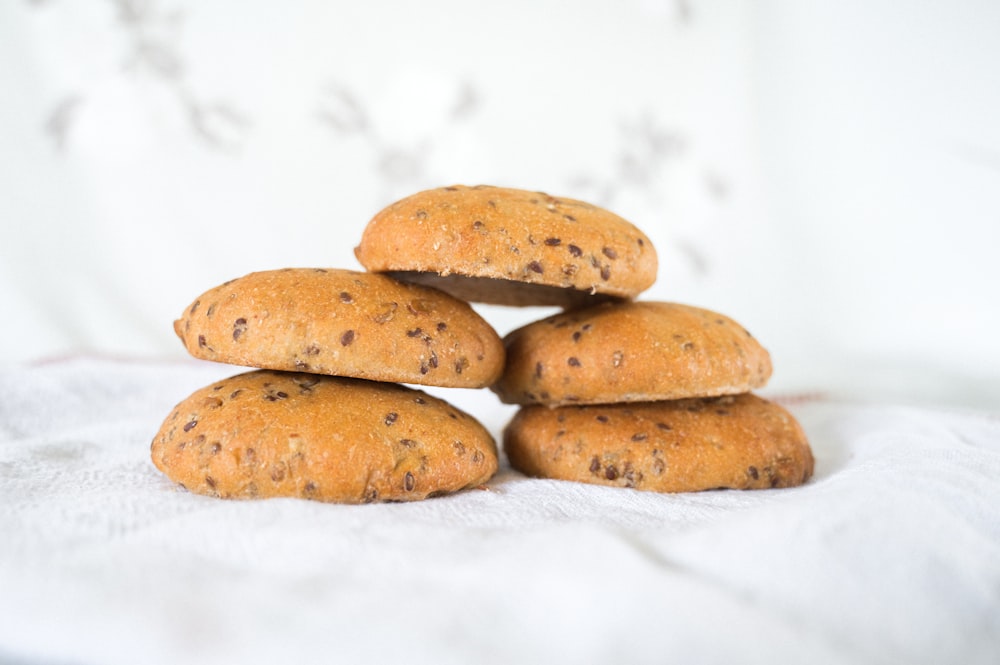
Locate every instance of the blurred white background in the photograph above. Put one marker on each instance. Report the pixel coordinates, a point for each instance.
(827, 173)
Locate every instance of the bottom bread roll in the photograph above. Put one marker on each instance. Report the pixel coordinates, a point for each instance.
(741, 442)
(280, 434)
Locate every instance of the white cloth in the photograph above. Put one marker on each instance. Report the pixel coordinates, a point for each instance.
(890, 554)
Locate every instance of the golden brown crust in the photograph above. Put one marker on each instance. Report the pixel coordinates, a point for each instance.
(510, 237)
(740, 442)
(630, 352)
(281, 434)
(345, 323)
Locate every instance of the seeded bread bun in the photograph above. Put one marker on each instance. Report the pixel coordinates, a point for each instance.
(344, 323)
(509, 247)
(630, 352)
(280, 434)
(740, 442)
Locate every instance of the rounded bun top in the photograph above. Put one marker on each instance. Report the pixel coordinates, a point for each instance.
(345, 323)
(509, 246)
(266, 434)
(630, 352)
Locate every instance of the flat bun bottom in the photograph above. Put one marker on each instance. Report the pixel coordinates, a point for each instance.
(512, 293)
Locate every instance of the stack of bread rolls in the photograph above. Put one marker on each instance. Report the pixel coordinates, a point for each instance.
(650, 395)
(326, 418)
(616, 391)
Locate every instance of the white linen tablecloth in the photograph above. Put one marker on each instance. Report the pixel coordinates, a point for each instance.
(890, 554)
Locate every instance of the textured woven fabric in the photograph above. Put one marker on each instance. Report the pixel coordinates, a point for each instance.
(890, 554)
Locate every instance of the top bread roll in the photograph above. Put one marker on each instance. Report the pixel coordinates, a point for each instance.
(630, 352)
(509, 247)
(345, 323)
